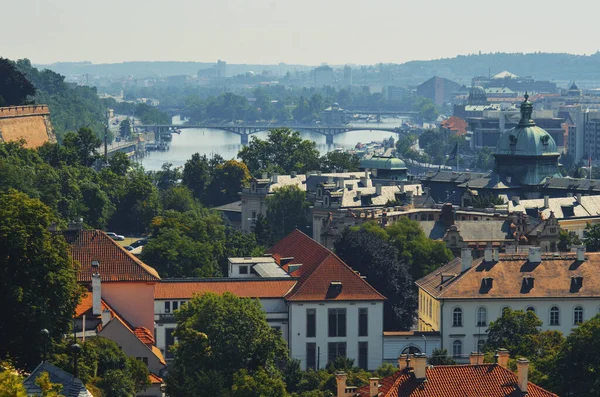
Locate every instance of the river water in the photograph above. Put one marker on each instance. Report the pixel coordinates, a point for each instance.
(210, 142)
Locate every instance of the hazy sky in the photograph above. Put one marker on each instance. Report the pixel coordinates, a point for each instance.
(292, 31)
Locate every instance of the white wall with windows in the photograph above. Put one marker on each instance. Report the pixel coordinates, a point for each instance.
(321, 331)
(465, 322)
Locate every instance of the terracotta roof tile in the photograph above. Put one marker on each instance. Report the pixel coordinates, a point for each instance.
(144, 334)
(552, 278)
(489, 380)
(155, 379)
(253, 288)
(116, 263)
(320, 267)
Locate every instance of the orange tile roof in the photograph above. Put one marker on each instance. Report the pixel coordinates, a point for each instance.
(252, 288)
(144, 334)
(320, 267)
(116, 263)
(489, 380)
(552, 278)
(455, 124)
(155, 379)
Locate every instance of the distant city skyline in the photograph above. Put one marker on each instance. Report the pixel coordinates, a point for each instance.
(308, 32)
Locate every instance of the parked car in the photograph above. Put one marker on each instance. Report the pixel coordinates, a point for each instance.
(115, 236)
(129, 248)
(139, 243)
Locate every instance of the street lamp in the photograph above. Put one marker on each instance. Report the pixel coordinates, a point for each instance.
(45, 335)
(425, 339)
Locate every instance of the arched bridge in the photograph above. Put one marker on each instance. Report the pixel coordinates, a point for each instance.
(244, 131)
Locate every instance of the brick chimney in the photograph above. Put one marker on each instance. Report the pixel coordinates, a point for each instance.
(373, 387)
(96, 294)
(522, 374)
(476, 358)
(503, 357)
(466, 258)
(402, 361)
(420, 366)
(340, 379)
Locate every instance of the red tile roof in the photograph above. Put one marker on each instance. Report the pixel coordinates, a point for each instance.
(144, 334)
(320, 268)
(155, 379)
(116, 263)
(253, 288)
(455, 124)
(489, 380)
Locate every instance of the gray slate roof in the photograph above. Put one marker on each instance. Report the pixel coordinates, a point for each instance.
(469, 230)
(72, 386)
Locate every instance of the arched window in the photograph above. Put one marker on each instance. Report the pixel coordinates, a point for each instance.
(480, 345)
(530, 309)
(457, 317)
(505, 308)
(554, 315)
(481, 317)
(456, 349)
(577, 315)
(411, 350)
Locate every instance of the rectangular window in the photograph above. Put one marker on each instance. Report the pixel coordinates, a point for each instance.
(175, 305)
(169, 341)
(363, 355)
(311, 355)
(335, 350)
(143, 359)
(243, 269)
(363, 322)
(167, 307)
(181, 303)
(311, 323)
(337, 322)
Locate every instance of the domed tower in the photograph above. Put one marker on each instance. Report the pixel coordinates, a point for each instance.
(526, 154)
(477, 96)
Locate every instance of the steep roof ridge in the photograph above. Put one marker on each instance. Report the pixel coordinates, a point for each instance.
(453, 282)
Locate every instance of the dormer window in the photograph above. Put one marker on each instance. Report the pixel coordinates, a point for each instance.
(528, 283)
(576, 283)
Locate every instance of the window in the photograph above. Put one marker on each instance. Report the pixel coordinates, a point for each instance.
(167, 307)
(337, 322)
(363, 322)
(480, 345)
(457, 317)
(243, 269)
(143, 359)
(311, 355)
(175, 305)
(430, 304)
(311, 323)
(554, 315)
(577, 315)
(169, 341)
(181, 303)
(530, 309)
(456, 349)
(363, 355)
(481, 317)
(335, 350)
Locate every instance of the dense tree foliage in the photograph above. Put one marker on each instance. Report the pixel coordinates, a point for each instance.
(592, 238)
(282, 152)
(226, 182)
(221, 341)
(15, 89)
(337, 161)
(30, 254)
(566, 240)
(374, 257)
(11, 384)
(287, 209)
(438, 144)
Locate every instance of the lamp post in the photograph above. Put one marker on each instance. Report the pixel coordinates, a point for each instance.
(75, 349)
(425, 339)
(45, 334)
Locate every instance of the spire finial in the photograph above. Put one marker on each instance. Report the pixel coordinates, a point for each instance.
(526, 96)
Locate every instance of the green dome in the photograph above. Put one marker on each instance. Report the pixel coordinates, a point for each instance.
(526, 139)
(382, 163)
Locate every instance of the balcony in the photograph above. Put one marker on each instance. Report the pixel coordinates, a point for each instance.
(164, 318)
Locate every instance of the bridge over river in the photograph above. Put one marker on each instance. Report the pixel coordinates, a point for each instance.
(245, 130)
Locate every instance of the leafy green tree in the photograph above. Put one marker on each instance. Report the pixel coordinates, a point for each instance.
(178, 198)
(137, 202)
(283, 151)
(440, 357)
(228, 180)
(263, 231)
(15, 89)
(258, 384)
(11, 384)
(566, 240)
(592, 238)
(119, 163)
(484, 159)
(287, 209)
(513, 331)
(167, 177)
(486, 201)
(217, 337)
(125, 128)
(577, 367)
(339, 161)
(114, 384)
(83, 145)
(48, 388)
(196, 175)
(372, 256)
(30, 253)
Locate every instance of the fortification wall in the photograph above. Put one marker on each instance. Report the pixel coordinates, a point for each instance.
(31, 123)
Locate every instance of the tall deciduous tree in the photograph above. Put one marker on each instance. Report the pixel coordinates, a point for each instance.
(287, 209)
(14, 86)
(83, 145)
(217, 337)
(38, 284)
(372, 256)
(592, 238)
(196, 175)
(228, 180)
(339, 161)
(512, 331)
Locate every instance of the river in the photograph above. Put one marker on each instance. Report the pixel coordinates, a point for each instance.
(227, 144)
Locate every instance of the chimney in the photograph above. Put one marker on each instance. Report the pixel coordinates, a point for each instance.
(546, 201)
(402, 361)
(495, 254)
(374, 172)
(420, 366)
(535, 255)
(580, 252)
(378, 189)
(330, 179)
(517, 200)
(294, 174)
(340, 183)
(349, 186)
(366, 173)
(364, 181)
(340, 379)
(503, 356)
(578, 198)
(522, 374)
(275, 178)
(373, 387)
(476, 358)
(466, 258)
(410, 198)
(96, 295)
(265, 175)
(402, 189)
(487, 254)
(358, 194)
